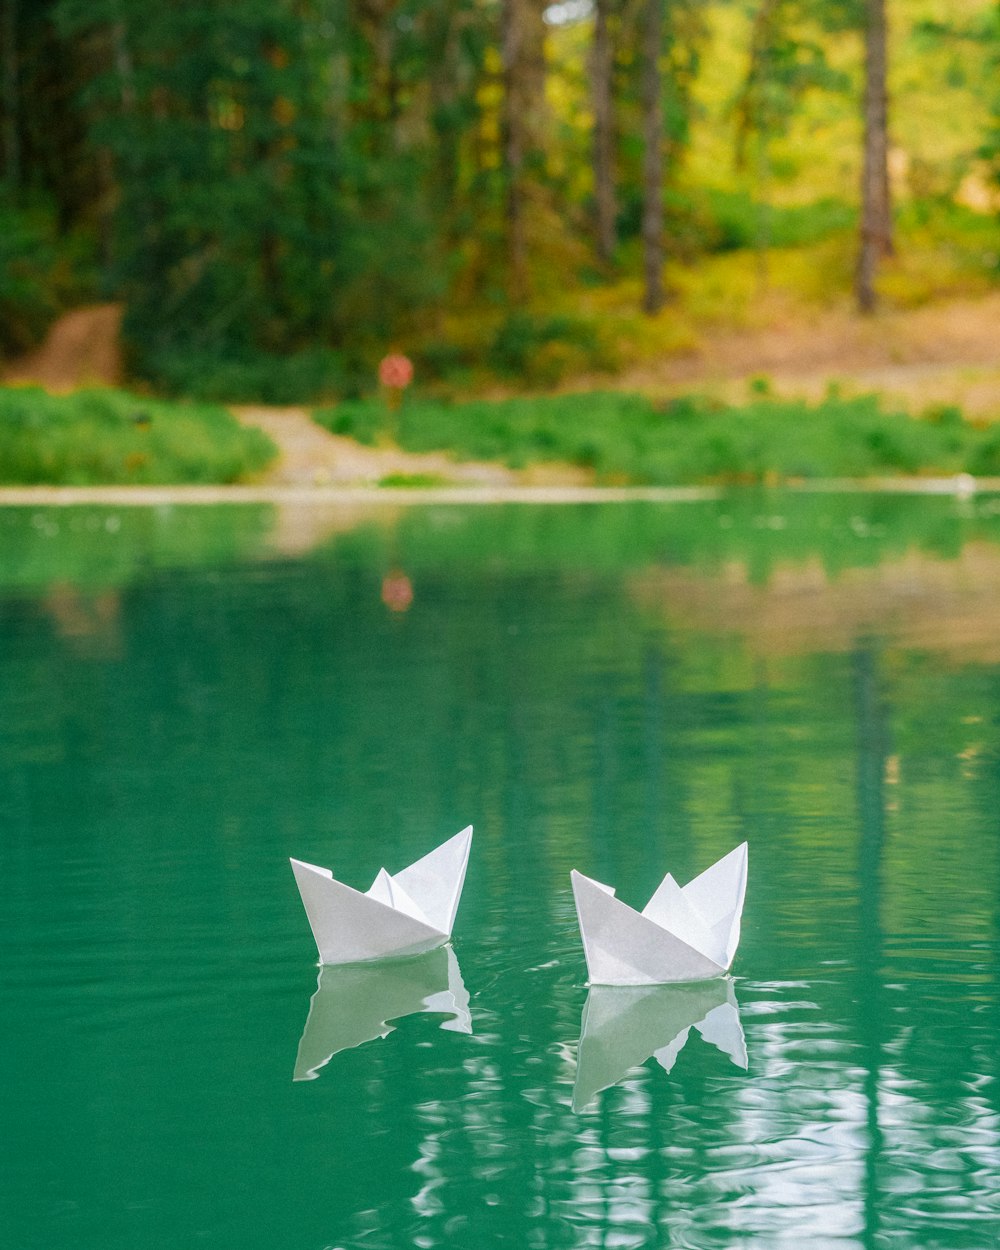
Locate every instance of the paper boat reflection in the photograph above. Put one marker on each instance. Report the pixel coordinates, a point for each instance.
(623, 1025)
(684, 933)
(356, 1003)
(404, 914)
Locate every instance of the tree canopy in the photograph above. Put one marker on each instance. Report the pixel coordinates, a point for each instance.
(315, 180)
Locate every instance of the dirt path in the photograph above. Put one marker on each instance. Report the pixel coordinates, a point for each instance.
(310, 456)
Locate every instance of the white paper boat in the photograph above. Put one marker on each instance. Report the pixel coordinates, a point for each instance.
(355, 1004)
(404, 914)
(682, 934)
(624, 1024)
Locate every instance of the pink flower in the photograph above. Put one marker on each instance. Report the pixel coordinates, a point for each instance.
(395, 371)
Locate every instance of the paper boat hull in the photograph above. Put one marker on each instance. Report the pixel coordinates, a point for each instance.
(408, 914)
(687, 933)
(623, 947)
(349, 927)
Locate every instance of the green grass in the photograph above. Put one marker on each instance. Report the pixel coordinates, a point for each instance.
(113, 437)
(629, 438)
(413, 481)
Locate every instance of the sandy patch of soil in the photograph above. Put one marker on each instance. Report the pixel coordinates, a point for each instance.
(947, 353)
(82, 349)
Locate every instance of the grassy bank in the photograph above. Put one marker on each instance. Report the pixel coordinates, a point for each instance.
(113, 437)
(630, 438)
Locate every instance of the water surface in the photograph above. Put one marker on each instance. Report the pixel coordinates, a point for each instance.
(189, 696)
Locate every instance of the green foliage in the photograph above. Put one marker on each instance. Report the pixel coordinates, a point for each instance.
(264, 208)
(706, 220)
(985, 458)
(685, 34)
(734, 220)
(543, 350)
(969, 238)
(787, 60)
(360, 419)
(630, 438)
(105, 436)
(412, 481)
(28, 298)
(40, 273)
(254, 377)
(279, 189)
(50, 182)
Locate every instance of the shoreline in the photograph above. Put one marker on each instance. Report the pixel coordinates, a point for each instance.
(961, 487)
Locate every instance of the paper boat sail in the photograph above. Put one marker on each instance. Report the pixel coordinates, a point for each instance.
(687, 933)
(624, 1025)
(354, 1004)
(404, 914)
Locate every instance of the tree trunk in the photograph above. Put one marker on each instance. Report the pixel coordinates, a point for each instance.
(605, 208)
(876, 219)
(523, 49)
(444, 33)
(652, 161)
(11, 119)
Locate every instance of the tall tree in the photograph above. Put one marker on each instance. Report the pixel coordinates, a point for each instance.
(523, 52)
(875, 239)
(652, 163)
(602, 78)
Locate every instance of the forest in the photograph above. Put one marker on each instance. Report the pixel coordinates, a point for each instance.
(278, 193)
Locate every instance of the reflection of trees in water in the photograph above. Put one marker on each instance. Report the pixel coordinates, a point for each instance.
(946, 606)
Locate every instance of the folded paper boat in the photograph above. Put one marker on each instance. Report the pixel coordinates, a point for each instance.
(687, 933)
(404, 914)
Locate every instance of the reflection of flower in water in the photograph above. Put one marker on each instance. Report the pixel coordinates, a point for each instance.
(397, 591)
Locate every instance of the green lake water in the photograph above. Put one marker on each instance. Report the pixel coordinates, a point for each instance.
(189, 696)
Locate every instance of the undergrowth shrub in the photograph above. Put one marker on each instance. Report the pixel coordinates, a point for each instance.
(984, 461)
(105, 436)
(733, 220)
(623, 437)
(543, 351)
(255, 377)
(441, 360)
(41, 273)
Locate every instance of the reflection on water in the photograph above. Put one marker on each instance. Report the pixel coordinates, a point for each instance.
(354, 1003)
(624, 1025)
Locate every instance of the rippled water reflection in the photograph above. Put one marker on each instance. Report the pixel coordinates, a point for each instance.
(189, 697)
